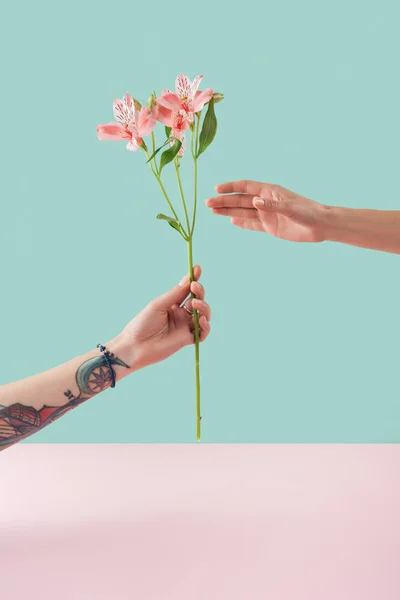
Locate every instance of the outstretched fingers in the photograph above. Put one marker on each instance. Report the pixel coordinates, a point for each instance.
(238, 213)
(244, 186)
(230, 201)
(250, 224)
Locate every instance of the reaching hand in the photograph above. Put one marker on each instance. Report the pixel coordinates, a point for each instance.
(270, 208)
(166, 324)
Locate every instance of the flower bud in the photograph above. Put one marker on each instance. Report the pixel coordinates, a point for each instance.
(151, 101)
(217, 97)
(137, 104)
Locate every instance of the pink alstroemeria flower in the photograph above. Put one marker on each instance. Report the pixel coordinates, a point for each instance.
(187, 96)
(178, 122)
(132, 125)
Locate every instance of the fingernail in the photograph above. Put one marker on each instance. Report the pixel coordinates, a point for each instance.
(183, 281)
(259, 201)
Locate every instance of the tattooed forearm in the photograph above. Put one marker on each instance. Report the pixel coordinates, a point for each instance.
(18, 421)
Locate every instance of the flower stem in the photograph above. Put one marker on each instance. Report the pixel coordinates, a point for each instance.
(195, 149)
(153, 143)
(197, 344)
(189, 239)
(166, 196)
(178, 176)
(160, 183)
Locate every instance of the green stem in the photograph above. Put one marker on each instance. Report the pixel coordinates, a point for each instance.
(188, 237)
(153, 143)
(197, 132)
(195, 150)
(160, 183)
(178, 176)
(197, 344)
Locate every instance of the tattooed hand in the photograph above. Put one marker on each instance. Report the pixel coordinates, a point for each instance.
(161, 329)
(166, 325)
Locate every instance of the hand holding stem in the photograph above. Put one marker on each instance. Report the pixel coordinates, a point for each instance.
(187, 234)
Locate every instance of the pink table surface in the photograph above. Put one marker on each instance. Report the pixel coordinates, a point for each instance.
(198, 522)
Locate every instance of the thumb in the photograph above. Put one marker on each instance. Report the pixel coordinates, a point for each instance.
(178, 293)
(271, 203)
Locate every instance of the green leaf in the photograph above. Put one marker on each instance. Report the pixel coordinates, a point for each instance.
(209, 128)
(168, 131)
(157, 151)
(173, 222)
(169, 155)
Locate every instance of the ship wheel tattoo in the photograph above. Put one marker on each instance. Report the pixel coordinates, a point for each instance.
(94, 375)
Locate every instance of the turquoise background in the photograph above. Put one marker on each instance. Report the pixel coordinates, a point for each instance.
(305, 344)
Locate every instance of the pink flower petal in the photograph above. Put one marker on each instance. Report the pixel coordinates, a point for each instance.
(125, 112)
(121, 112)
(132, 145)
(147, 121)
(182, 85)
(170, 101)
(128, 101)
(195, 85)
(180, 121)
(164, 115)
(202, 98)
(114, 132)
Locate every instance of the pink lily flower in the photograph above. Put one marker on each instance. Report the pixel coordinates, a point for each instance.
(187, 96)
(131, 125)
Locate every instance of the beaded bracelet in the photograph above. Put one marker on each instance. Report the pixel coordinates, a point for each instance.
(106, 353)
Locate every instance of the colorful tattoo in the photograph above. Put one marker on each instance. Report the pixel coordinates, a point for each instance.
(19, 421)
